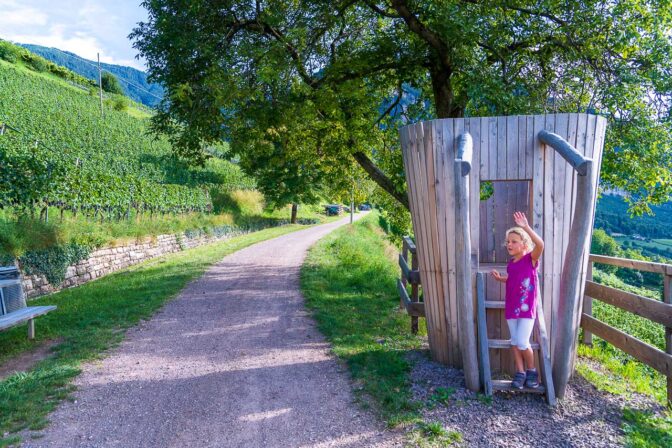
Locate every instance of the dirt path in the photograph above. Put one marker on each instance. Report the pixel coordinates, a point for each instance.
(234, 361)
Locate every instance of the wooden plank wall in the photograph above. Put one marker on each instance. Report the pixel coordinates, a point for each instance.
(505, 149)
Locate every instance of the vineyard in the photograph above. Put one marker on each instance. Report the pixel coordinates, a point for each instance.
(57, 151)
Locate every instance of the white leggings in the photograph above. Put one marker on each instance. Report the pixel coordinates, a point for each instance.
(520, 330)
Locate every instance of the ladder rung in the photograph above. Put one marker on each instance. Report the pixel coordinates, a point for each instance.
(506, 343)
(506, 385)
(494, 304)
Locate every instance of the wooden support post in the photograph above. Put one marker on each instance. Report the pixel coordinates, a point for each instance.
(484, 366)
(588, 307)
(31, 329)
(404, 281)
(465, 291)
(667, 298)
(565, 329)
(414, 294)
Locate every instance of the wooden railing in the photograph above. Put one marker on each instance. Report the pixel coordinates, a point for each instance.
(654, 310)
(410, 275)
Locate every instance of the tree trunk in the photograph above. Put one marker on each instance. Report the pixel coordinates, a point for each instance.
(295, 209)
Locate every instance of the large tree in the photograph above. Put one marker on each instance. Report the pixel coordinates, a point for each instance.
(230, 65)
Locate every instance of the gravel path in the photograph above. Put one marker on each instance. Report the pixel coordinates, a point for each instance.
(586, 417)
(234, 361)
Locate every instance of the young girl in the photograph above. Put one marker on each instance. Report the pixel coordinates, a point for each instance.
(525, 247)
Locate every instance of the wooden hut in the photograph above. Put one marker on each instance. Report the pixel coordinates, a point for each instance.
(544, 165)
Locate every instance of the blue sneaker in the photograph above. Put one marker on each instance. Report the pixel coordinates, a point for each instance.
(518, 380)
(532, 379)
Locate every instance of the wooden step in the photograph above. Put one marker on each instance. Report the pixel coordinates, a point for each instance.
(506, 343)
(494, 304)
(505, 385)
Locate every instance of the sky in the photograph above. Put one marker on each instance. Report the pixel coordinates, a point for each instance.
(83, 27)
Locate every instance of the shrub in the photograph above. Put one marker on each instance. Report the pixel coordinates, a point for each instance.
(110, 83)
(8, 52)
(120, 103)
(35, 62)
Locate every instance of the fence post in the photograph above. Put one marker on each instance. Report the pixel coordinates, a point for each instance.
(667, 298)
(404, 255)
(414, 293)
(588, 307)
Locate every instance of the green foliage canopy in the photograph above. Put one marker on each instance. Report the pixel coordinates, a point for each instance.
(228, 65)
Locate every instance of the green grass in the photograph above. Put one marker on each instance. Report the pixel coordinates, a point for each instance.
(91, 319)
(349, 284)
(434, 435)
(644, 430)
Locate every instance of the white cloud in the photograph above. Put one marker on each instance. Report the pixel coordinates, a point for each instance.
(81, 27)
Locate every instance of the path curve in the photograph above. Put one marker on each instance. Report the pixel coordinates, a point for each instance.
(234, 361)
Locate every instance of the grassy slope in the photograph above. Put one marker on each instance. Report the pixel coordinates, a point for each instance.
(90, 319)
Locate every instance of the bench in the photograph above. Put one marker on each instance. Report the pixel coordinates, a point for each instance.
(13, 309)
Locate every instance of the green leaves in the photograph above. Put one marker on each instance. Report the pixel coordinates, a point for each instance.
(325, 68)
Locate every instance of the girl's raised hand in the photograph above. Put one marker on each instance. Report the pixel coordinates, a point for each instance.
(497, 275)
(520, 219)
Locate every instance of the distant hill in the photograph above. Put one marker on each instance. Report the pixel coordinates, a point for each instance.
(126, 75)
(612, 216)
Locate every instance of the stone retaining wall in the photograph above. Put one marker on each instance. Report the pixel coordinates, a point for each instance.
(104, 261)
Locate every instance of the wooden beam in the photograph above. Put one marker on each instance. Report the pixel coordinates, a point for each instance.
(649, 355)
(411, 244)
(484, 353)
(544, 354)
(412, 308)
(465, 289)
(567, 151)
(642, 306)
(667, 298)
(567, 325)
(465, 151)
(411, 276)
(588, 306)
(647, 266)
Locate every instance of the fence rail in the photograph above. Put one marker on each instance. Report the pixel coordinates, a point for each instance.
(653, 310)
(410, 275)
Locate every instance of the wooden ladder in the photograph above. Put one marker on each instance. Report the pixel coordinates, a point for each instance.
(540, 343)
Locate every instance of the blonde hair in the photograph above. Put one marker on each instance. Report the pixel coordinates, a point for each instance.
(527, 241)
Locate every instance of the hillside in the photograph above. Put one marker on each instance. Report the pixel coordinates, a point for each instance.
(612, 216)
(147, 93)
(88, 163)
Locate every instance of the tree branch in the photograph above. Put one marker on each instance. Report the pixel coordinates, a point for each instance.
(392, 106)
(422, 31)
(381, 11)
(380, 178)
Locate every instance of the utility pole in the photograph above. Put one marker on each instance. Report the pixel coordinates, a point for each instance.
(100, 86)
(352, 202)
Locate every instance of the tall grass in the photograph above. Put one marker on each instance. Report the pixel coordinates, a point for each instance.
(349, 282)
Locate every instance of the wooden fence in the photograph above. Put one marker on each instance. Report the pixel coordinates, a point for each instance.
(653, 310)
(410, 275)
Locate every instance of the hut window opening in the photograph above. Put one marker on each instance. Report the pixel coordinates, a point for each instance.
(497, 205)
